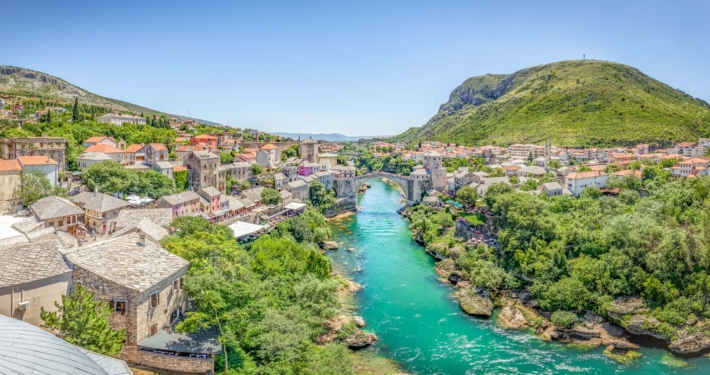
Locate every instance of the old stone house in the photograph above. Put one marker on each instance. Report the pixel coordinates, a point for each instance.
(46, 165)
(186, 203)
(204, 170)
(155, 152)
(59, 213)
(140, 280)
(32, 277)
(298, 189)
(101, 209)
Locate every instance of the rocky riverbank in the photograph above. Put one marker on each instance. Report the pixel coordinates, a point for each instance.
(519, 311)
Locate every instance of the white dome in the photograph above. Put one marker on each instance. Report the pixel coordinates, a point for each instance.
(25, 348)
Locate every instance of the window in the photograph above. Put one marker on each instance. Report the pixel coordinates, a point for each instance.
(154, 329)
(154, 299)
(61, 223)
(176, 284)
(119, 307)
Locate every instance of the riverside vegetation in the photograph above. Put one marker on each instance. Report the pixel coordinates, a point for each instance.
(271, 300)
(576, 103)
(641, 262)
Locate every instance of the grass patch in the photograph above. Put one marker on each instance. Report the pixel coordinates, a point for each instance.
(474, 219)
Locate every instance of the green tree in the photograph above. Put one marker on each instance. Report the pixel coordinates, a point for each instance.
(341, 160)
(270, 196)
(75, 110)
(226, 157)
(592, 192)
(35, 185)
(583, 168)
(564, 319)
(256, 169)
(467, 195)
(319, 197)
(83, 320)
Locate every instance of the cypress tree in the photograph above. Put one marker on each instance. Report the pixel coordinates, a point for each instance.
(75, 113)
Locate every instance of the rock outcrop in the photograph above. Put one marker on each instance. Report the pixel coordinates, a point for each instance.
(360, 339)
(475, 301)
(445, 267)
(359, 321)
(329, 245)
(512, 318)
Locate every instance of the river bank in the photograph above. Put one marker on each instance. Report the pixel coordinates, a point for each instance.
(420, 324)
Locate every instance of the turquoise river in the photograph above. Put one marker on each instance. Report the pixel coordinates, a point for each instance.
(421, 326)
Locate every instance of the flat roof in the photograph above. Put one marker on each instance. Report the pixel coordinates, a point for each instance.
(242, 229)
(200, 342)
(294, 206)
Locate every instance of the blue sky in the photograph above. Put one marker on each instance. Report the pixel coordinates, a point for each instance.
(352, 67)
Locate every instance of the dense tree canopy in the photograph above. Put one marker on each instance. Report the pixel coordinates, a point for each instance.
(267, 299)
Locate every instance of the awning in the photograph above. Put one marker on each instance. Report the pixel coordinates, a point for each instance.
(200, 342)
(294, 206)
(242, 229)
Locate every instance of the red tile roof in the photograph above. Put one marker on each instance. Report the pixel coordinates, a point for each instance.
(179, 168)
(134, 148)
(159, 147)
(97, 139)
(204, 136)
(626, 172)
(269, 147)
(577, 175)
(10, 165)
(106, 149)
(36, 160)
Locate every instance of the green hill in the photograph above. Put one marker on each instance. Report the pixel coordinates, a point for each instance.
(576, 103)
(21, 83)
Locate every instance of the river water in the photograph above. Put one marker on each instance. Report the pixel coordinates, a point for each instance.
(421, 326)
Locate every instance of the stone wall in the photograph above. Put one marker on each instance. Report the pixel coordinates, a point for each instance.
(167, 362)
(40, 294)
(140, 316)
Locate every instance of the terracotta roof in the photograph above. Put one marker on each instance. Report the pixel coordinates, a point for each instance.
(10, 165)
(204, 136)
(626, 172)
(179, 168)
(269, 147)
(106, 149)
(158, 147)
(36, 160)
(134, 148)
(97, 139)
(577, 175)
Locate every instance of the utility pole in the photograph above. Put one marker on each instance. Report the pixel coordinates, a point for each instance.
(584, 57)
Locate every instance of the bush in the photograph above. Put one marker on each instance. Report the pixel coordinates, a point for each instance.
(564, 319)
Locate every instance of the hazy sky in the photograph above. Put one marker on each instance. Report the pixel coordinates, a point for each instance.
(354, 67)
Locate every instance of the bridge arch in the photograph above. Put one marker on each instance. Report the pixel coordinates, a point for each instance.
(348, 187)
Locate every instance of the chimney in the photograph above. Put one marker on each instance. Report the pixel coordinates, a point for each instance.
(47, 159)
(141, 238)
(96, 189)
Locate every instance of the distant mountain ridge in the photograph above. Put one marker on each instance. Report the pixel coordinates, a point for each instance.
(577, 103)
(331, 137)
(29, 83)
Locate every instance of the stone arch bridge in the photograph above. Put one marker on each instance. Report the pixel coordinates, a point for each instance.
(348, 187)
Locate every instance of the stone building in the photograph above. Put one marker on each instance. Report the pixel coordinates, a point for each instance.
(9, 181)
(116, 154)
(54, 147)
(59, 213)
(309, 150)
(298, 189)
(140, 280)
(326, 178)
(32, 276)
(434, 166)
(164, 167)
(186, 203)
(119, 119)
(88, 159)
(204, 171)
(134, 154)
(238, 170)
(155, 152)
(101, 209)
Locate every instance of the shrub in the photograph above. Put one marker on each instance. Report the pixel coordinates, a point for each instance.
(564, 319)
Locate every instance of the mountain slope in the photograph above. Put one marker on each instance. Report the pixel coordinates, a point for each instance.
(576, 103)
(28, 83)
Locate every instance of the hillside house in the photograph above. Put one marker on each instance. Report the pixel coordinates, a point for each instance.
(576, 182)
(101, 209)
